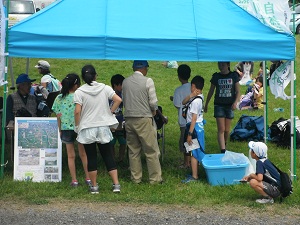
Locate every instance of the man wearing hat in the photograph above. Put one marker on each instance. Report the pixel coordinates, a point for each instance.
(140, 102)
(266, 180)
(48, 81)
(21, 98)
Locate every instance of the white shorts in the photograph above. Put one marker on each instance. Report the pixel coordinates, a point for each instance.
(100, 135)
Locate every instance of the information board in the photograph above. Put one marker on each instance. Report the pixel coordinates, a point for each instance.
(37, 149)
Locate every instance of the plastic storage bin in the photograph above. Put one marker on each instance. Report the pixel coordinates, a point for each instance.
(222, 174)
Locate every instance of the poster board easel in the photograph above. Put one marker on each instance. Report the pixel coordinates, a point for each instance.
(37, 150)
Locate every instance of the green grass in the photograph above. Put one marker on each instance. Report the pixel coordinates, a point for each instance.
(199, 194)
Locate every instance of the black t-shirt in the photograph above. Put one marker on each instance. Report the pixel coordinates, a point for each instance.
(225, 87)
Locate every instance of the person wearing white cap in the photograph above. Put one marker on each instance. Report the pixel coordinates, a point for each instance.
(48, 81)
(266, 180)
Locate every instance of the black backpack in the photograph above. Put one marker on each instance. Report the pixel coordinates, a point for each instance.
(158, 118)
(286, 184)
(186, 107)
(274, 130)
(282, 134)
(285, 136)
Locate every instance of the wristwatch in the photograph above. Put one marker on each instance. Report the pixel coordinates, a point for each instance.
(190, 133)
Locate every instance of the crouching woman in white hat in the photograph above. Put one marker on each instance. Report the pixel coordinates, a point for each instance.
(266, 180)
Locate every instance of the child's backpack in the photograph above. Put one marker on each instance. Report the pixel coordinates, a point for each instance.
(248, 128)
(286, 184)
(55, 83)
(186, 106)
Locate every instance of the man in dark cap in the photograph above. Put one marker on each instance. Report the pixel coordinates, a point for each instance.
(140, 104)
(22, 103)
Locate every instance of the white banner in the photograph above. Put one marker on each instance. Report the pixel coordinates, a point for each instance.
(275, 14)
(280, 79)
(2, 44)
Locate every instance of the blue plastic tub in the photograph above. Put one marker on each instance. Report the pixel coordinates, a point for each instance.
(220, 174)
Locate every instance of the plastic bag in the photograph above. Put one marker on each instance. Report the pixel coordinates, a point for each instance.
(231, 158)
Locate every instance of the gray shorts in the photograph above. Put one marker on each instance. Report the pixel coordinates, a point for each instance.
(271, 190)
(181, 139)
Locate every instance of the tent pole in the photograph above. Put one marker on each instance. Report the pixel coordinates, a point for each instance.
(4, 96)
(293, 110)
(11, 72)
(293, 125)
(265, 97)
(27, 65)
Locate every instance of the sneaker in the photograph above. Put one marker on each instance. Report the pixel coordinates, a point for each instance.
(189, 179)
(88, 182)
(74, 183)
(265, 200)
(116, 188)
(94, 189)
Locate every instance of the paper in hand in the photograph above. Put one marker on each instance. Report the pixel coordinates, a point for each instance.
(194, 145)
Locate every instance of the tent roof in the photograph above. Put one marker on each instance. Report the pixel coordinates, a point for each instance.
(190, 30)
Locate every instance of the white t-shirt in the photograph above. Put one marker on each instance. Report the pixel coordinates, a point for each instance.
(179, 94)
(196, 107)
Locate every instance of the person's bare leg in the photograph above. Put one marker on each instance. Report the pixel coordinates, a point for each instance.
(71, 160)
(114, 176)
(221, 132)
(227, 130)
(258, 187)
(187, 160)
(194, 164)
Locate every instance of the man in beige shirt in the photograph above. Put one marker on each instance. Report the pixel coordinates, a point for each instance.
(140, 103)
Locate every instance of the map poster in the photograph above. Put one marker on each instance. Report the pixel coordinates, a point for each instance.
(37, 150)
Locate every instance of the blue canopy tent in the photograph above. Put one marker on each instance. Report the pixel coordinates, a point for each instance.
(190, 30)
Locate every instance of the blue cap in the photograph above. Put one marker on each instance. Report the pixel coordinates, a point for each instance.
(24, 78)
(140, 64)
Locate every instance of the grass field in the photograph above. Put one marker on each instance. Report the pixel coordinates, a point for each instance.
(172, 191)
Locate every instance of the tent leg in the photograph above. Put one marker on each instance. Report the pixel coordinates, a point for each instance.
(11, 72)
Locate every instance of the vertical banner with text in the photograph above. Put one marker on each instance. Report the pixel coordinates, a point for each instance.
(275, 14)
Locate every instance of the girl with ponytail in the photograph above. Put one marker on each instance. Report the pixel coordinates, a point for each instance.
(63, 107)
(93, 120)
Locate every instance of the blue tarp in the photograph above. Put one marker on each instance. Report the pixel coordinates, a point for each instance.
(183, 30)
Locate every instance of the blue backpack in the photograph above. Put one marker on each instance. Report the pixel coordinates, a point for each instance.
(248, 128)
